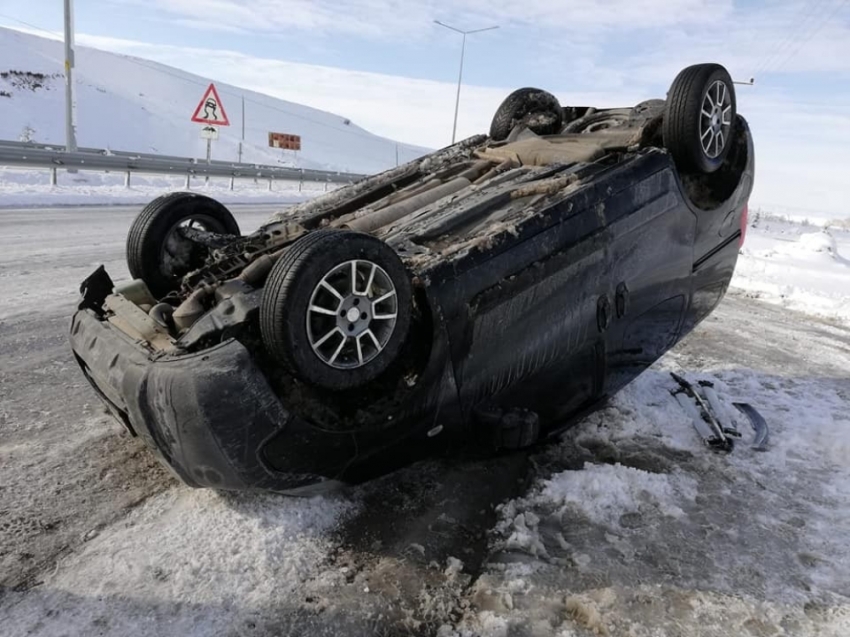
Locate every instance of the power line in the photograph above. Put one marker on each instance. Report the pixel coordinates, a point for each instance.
(159, 68)
(799, 29)
(57, 34)
(797, 24)
(826, 19)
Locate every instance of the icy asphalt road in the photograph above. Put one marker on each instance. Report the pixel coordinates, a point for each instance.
(46, 253)
(626, 528)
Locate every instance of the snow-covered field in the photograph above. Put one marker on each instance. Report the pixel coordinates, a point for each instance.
(629, 526)
(799, 265)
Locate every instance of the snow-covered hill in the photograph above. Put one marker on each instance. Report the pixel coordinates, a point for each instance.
(125, 103)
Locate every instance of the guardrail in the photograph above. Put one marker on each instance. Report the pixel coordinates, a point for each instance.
(27, 155)
(95, 151)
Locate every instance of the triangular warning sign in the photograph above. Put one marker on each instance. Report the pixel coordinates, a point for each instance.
(210, 110)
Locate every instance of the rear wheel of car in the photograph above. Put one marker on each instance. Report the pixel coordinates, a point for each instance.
(336, 309)
(699, 118)
(539, 110)
(156, 251)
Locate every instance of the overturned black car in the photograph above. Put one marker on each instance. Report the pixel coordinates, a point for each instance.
(487, 293)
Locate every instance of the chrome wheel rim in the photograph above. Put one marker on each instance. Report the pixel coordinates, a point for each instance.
(352, 314)
(715, 119)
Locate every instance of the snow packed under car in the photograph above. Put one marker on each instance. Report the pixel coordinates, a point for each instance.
(484, 296)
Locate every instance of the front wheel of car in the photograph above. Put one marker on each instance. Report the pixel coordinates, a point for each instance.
(158, 254)
(699, 118)
(336, 309)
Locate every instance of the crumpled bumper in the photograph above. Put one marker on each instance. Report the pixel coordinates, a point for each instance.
(208, 416)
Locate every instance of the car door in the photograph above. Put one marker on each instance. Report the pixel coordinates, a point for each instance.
(581, 308)
(531, 340)
(523, 322)
(652, 241)
(627, 268)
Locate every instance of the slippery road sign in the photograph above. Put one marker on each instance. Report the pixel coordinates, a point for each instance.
(210, 110)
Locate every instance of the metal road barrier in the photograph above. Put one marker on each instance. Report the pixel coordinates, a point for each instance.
(27, 155)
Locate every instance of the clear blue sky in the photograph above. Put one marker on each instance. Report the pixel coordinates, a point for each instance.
(384, 61)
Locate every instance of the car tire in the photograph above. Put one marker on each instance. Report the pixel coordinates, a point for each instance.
(314, 334)
(149, 236)
(699, 118)
(538, 109)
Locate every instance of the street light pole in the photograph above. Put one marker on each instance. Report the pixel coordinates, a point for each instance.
(459, 79)
(460, 73)
(70, 119)
(242, 142)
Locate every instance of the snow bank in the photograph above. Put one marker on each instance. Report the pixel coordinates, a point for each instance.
(600, 494)
(30, 188)
(797, 266)
(814, 242)
(603, 493)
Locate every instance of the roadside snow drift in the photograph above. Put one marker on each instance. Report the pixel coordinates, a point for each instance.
(798, 266)
(30, 188)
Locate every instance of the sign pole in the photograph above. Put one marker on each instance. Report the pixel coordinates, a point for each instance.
(243, 130)
(242, 141)
(210, 111)
(209, 155)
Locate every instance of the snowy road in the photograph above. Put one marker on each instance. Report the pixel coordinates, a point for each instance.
(629, 527)
(48, 417)
(45, 253)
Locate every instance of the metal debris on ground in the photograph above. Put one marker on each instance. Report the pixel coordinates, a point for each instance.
(759, 425)
(713, 422)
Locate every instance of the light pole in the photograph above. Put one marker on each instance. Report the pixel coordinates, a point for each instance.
(460, 73)
(70, 120)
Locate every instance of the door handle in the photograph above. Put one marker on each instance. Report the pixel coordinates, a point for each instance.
(622, 299)
(603, 313)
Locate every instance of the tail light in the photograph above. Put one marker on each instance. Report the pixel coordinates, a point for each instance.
(744, 214)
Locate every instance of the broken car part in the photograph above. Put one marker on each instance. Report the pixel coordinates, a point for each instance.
(712, 419)
(759, 425)
(703, 419)
(727, 424)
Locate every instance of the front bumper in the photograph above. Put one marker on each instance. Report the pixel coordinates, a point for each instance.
(208, 416)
